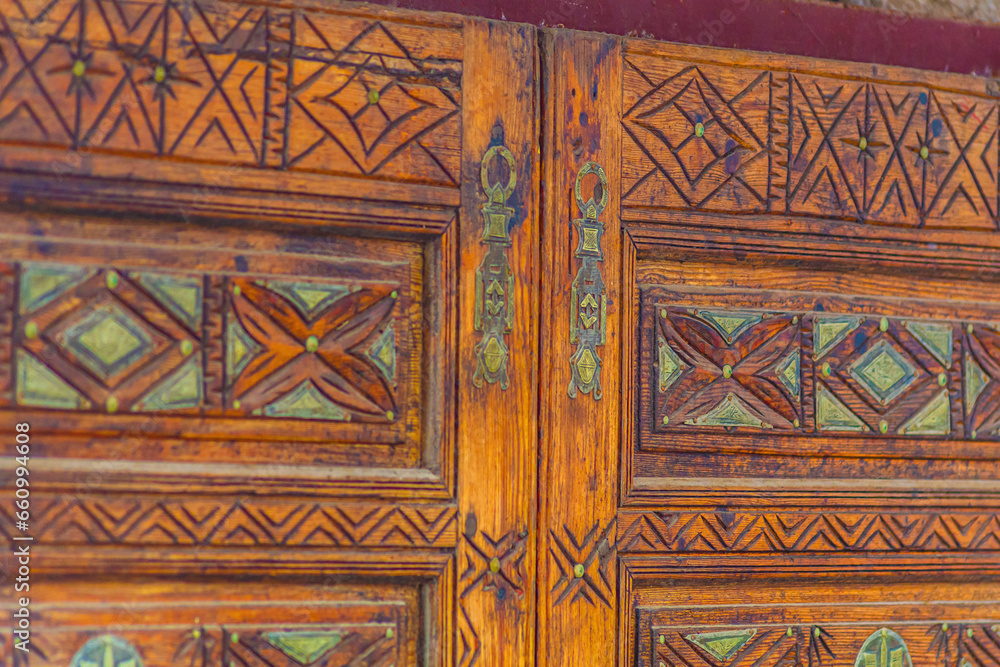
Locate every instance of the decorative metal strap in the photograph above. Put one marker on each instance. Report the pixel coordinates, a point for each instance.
(494, 278)
(588, 301)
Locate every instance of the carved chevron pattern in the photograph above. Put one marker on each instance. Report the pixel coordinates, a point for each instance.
(796, 532)
(743, 140)
(583, 566)
(232, 84)
(65, 520)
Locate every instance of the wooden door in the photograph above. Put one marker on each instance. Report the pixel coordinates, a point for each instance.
(268, 277)
(769, 431)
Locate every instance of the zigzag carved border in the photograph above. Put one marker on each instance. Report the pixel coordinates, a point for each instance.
(807, 532)
(70, 520)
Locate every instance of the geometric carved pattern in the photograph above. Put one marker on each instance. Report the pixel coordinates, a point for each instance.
(732, 139)
(264, 87)
(111, 340)
(807, 532)
(585, 567)
(207, 522)
(859, 644)
(809, 372)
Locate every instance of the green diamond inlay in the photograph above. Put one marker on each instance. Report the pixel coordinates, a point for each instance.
(181, 295)
(730, 324)
(107, 340)
(883, 372)
(722, 645)
(106, 651)
(671, 366)
(305, 647)
(828, 332)
(730, 411)
(310, 299)
(306, 401)
(179, 391)
(936, 338)
(37, 385)
(383, 353)
(975, 380)
(43, 283)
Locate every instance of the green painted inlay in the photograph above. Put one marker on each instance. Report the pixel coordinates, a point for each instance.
(975, 382)
(829, 331)
(832, 415)
(42, 283)
(788, 370)
(37, 385)
(107, 340)
(181, 295)
(306, 401)
(730, 411)
(106, 651)
(883, 372)
(383, 353)
(241, 348)
(937, 338)
(671, 366)
(883, 648)
(730, 324)
(308, 298)
(181, 390)
(722, 645)
(932, 419)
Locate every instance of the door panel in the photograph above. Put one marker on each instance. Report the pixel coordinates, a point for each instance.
(805, 325)
(268, 277)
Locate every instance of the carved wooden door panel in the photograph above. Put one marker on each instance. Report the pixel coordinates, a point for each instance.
(770, 332)
(267, 277)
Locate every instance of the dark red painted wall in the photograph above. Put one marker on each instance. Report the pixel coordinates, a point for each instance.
(825, 30)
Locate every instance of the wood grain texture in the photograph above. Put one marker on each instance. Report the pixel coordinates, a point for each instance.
(579, 435)
(497, 438)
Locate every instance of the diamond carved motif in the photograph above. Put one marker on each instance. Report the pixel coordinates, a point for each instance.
(883, 371)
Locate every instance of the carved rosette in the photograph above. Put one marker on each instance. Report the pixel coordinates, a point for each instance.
(494, 277)
(588, 300)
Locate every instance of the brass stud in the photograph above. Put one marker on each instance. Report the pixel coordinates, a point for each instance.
(942, 379)
(79, 68)
(663, 640)
(578, 570)
(883, 426)
(31, 330)
(372, 96)
(969, 633)
(863, 143)
(825, 369)
(699, 130)
(159, 74)
(924, 152)
(236, 290)
(795, 422)
(389, 634)
(111, 404)
(237, 404)
(974, 434)
(883, 324)
(816, 631)
(495, 565)
(235, 637)
(727, 371)
(795, 319)
(312, 344)
(196, 633)
(944, 627)
(186, 348)
(788, 632)
(663, 313)
(969, 329)
(666, 420)
(394, 294)
(390, 415)
(111, 279)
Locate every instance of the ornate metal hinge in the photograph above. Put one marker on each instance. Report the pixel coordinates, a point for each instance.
(494, 278)
(588, 301)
